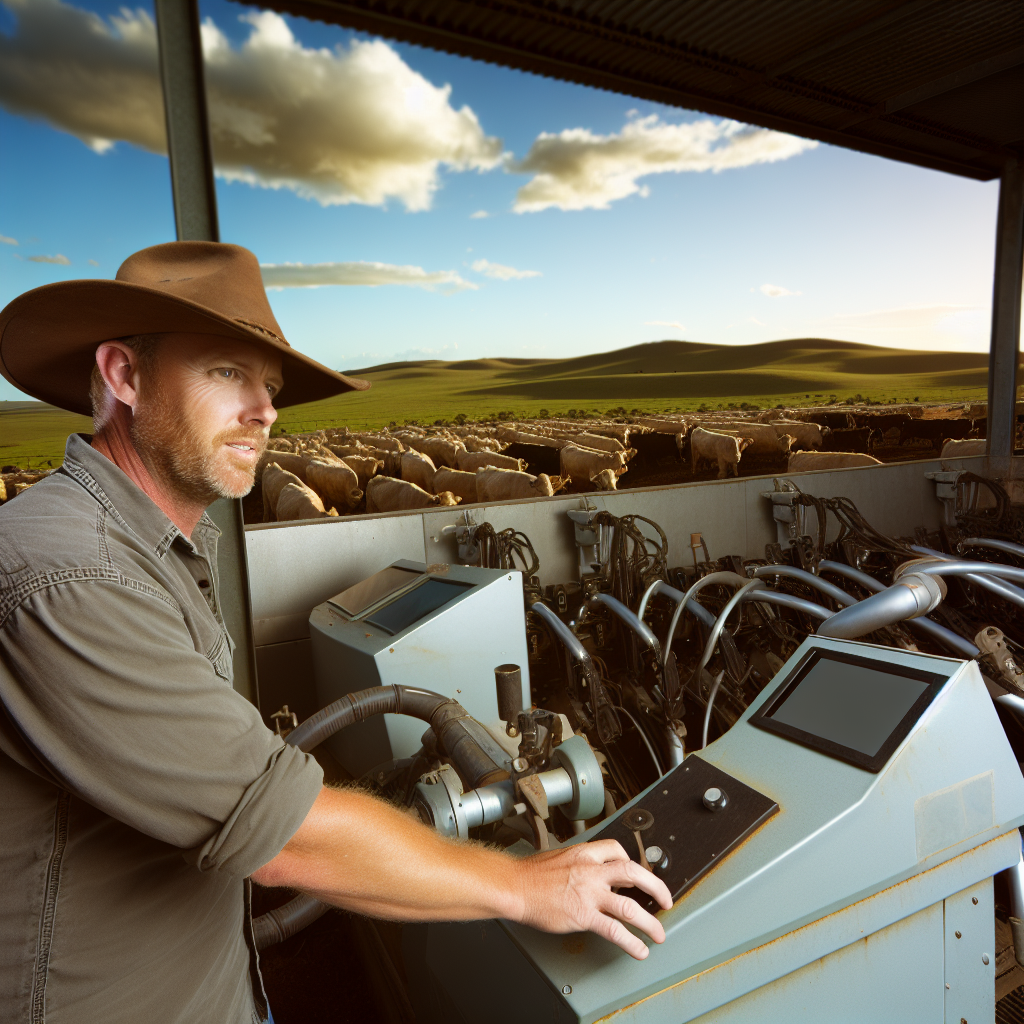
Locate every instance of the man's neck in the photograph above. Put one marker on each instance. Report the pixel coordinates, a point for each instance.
(114, 441)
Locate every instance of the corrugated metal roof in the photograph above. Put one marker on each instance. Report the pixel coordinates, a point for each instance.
(938, 83)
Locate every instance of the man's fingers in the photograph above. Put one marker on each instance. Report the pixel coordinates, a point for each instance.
(630, 912)
(648, 882)
(614, 931)
(603, 851)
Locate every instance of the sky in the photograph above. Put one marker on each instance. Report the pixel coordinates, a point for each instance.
(408, 204)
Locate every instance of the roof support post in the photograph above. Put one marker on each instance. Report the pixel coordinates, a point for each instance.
(1004, 353)
(195, 218)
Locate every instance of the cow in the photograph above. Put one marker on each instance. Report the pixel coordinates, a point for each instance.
(806, 462)
(335, 482)
(442, 452)
(936, 432)
(805, 435)
(472, 461)
(587, 440)
(286, 460)
(391, 444)
(850, 439)
(457, 481)
(764, 439)
(606, 480)
(965, 448)
(511, 436)
(365, 466)
(343, 451)
(579, 464)
(832, 420)
(482, 444)
(386, 494)
(273, 481)
(506, 484)
(723, 449)
(419, 469)
(297, 501)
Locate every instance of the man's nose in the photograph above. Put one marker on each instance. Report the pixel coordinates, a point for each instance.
(261, 409)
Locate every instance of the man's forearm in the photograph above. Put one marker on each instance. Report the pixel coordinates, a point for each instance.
(357, 852)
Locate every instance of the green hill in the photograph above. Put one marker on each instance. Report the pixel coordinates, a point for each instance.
(660, 376)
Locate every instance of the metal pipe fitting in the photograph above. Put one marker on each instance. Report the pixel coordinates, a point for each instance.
(940, 567)
(1006, 546)
(565, 634)
(985, 580)
(912, 596)
(805, 577)
(632, 620)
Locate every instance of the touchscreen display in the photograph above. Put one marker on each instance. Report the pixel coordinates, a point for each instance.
(416, 604)
(369, 591)
(852, 705)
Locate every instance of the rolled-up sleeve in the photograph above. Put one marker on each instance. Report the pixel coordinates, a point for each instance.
(105, 694)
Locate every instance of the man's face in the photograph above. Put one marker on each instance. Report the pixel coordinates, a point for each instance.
(204, 414)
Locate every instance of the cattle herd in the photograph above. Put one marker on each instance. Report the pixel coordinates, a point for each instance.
(337, 471)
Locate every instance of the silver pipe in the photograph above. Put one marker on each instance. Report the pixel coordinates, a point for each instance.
(639, 627)
(965, 568)
(565, 634)
(711, 703)
(716, 629)
(789, 601)
(912, 596)
(687, 599)
(805, 577)
(676, 751)
(954, 641)
(557, 786)
(996, 545)
(986, 580)
(1012, 701)
(490, 803)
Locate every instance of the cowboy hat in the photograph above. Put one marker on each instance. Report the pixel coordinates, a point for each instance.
(48, 336)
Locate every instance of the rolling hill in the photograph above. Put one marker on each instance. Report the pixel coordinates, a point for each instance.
(654, 377)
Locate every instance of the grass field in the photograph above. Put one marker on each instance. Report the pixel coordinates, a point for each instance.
(658, 377)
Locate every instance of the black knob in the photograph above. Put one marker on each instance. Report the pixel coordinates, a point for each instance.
(715, 799)
(508, 681)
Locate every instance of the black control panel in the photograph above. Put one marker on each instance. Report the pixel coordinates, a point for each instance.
(686, 824)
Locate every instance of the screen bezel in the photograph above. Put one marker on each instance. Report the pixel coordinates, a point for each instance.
(872, 763)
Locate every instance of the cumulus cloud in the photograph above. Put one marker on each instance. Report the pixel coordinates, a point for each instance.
(4, 240)
(665, 323)
(348, 125)
(775, 291)
(577, 169)
(501, 272)
(479, 215)
(365, 274)
(60, 260)
(94, 263)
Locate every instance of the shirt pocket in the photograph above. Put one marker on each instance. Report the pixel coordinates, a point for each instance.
(218, 652)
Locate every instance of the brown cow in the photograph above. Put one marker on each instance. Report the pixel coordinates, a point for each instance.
(723, 449)
(274, 480)
(336, 483)
(606, 480)
(442, 452)
(286, 460)
(505, 484)
(365, 466)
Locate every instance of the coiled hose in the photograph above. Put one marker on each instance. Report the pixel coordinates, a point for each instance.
(449, 721)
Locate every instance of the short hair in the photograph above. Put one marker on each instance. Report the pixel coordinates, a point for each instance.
(144, 346)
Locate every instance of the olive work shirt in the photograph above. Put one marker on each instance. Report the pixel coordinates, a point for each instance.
(138, 790)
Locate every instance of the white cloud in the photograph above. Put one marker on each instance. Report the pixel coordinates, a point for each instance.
(580, 170)
(349, 125)
(58, 259)
(665, 323)
(4, 240)
(754, 320)
(362, 273)
(479, 215)
(775, 291)
(94, 263)
(501, 272)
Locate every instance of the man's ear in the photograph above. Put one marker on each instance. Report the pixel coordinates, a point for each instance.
(119, 367)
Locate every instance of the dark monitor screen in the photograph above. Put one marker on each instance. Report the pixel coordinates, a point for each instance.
(416, 604)
(853, 708)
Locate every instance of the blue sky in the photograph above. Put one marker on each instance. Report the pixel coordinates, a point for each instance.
(619, 237)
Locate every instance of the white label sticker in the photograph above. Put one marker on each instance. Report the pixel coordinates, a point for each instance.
(949, 816)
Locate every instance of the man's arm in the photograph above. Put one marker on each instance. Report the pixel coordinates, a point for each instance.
(357, 852)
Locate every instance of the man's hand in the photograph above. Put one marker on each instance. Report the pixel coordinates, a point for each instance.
(571, 891)
(357, 852)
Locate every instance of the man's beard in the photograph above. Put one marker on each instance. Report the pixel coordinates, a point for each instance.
(197, 467)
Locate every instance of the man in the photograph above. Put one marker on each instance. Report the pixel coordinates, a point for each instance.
(140, 791)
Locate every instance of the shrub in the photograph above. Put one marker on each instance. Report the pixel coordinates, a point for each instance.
(543, 414)
(460, 418)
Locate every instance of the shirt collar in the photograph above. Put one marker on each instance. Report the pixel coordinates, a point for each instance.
(127, 502)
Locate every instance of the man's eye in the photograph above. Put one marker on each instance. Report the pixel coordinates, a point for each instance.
(225, 372)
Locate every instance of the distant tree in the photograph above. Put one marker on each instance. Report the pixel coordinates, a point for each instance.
(543, 414)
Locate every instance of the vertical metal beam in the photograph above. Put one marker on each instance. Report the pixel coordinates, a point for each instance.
(195, 217)
(188, 130)
(1004, 353)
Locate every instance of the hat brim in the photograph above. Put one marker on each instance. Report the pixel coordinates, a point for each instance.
(48, 340)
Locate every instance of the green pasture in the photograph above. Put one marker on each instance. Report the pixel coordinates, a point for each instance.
(659, 377)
